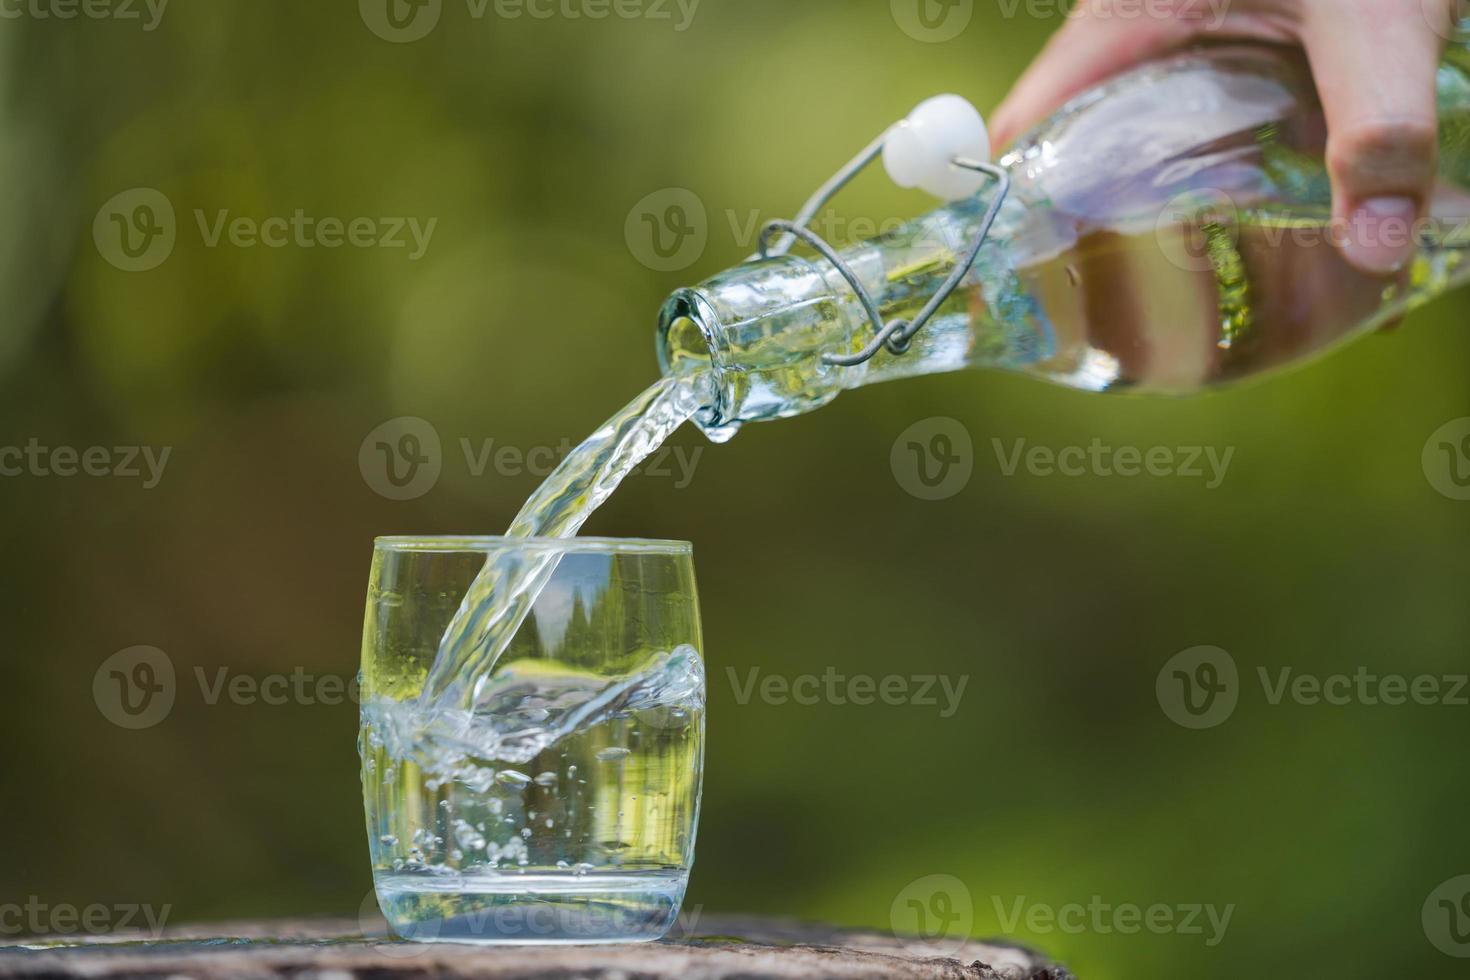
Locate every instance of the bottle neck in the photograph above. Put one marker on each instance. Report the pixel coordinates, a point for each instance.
(762, 329)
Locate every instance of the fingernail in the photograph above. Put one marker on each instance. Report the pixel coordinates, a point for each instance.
(1380, 235)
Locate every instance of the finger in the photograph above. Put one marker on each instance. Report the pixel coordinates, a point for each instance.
(1089, 48)
(1375, 63)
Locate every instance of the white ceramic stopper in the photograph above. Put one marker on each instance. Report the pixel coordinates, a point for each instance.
(920, 151)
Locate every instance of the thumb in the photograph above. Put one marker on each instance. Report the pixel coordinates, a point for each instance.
(1375, 63)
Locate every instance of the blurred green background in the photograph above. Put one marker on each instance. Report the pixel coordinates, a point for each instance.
(528, 320)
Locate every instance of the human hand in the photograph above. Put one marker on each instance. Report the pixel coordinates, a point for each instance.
(1374, 62)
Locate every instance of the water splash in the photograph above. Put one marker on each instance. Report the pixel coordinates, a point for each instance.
(503, 593)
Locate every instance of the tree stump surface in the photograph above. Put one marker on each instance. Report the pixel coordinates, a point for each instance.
(722, 948)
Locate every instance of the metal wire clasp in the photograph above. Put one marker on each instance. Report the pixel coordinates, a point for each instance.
(896, 335)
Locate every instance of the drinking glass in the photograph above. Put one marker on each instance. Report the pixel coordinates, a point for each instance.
(559, 806)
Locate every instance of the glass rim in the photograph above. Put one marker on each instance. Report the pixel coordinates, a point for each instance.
(486, 543)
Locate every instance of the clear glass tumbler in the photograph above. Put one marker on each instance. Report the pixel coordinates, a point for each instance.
(563, 807)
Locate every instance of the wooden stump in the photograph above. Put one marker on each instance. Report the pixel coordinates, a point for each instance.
(724, 948)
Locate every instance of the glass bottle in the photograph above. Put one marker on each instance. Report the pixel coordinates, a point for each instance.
(1167, 231)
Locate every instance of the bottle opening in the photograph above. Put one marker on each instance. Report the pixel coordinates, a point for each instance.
(686, 339)
(689, 344)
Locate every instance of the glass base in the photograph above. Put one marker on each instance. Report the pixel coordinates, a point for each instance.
(535, 908)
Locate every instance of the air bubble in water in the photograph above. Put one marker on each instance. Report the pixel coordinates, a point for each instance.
(468, 837)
